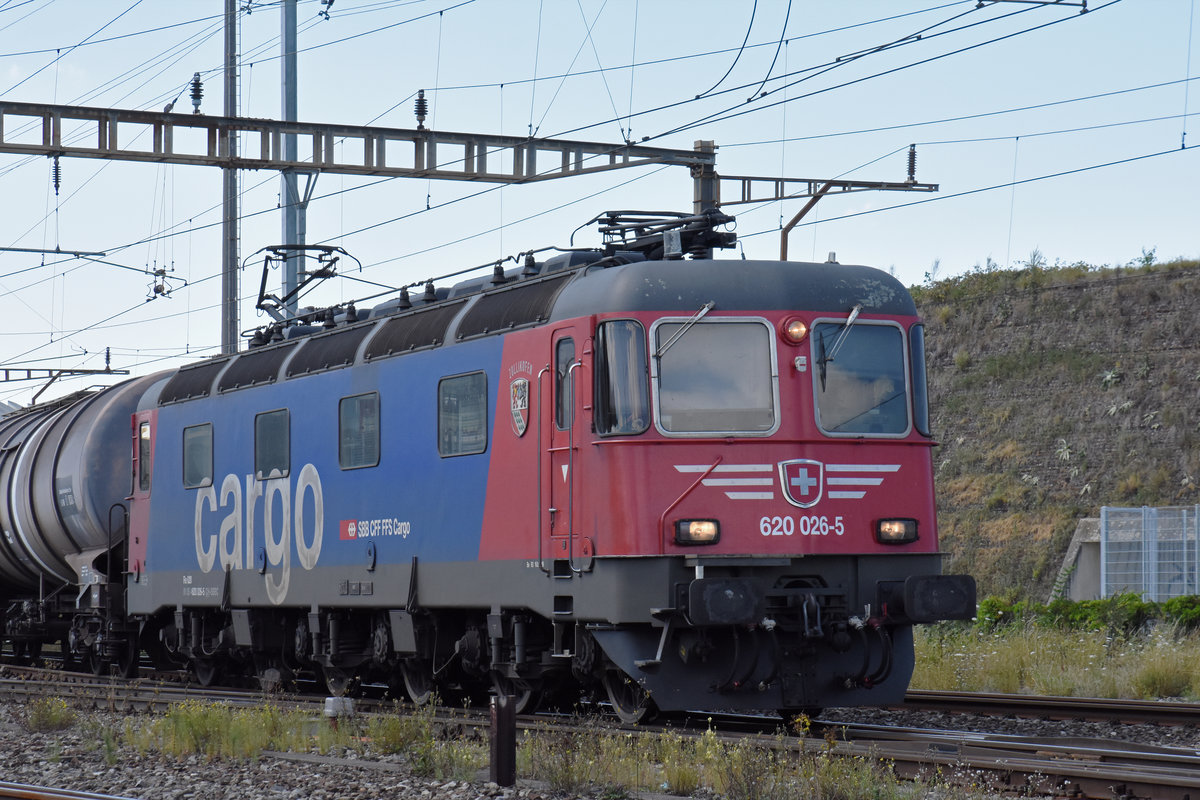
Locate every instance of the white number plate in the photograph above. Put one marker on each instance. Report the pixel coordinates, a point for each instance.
(807, 525)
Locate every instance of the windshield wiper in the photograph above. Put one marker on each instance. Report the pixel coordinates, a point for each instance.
(822, 357)
(665, 346)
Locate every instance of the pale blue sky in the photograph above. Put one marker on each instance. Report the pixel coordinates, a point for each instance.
(478, 60)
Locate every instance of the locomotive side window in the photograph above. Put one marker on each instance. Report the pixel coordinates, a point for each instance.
(462, 415)
(860, 383)
(622, 398)
(197, 456)
(564, 356)
(916, 355)
(272, 445)
(144, 457)
(358, 431)
(716, 376)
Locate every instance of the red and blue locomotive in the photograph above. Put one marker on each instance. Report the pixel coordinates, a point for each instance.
(634, 470)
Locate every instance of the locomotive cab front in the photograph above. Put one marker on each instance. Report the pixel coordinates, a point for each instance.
(770, 453)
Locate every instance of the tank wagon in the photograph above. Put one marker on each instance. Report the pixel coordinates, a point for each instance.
(637, 471)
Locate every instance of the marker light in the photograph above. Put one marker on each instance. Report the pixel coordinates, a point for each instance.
(697, 531)
(794, 330)
(896, 531)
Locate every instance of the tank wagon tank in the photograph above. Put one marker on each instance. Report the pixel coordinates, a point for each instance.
(634, 471)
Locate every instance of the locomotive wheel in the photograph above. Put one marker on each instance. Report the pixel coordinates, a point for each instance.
(418, 683)
(630, 701)
(338, 682)
(275, 678)
(205, 670)
(527, 696)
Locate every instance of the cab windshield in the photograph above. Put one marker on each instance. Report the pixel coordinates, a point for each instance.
(860, 384)
(715, 376)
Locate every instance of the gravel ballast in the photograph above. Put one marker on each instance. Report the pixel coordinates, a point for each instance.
(77, 759)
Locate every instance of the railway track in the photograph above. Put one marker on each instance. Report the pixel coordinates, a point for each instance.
(20, 791)
(1154, 712)
(1054, 766)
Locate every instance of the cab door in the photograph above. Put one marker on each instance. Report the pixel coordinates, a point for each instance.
(566, 551)
(144, 424)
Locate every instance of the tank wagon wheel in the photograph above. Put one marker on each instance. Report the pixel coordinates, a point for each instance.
(130, 658)
(94, 663)
(630, 701)
(418, 683)
(69, 662)
(528, 697)
(25, 653)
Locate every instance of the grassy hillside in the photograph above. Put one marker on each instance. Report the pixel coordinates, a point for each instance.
(1056, 391)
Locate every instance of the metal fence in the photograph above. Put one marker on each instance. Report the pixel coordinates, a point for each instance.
(1153, 552)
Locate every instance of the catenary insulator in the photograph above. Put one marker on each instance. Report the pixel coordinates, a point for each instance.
(56, 175)
(912, 163)
(197, 92)
(422, 109)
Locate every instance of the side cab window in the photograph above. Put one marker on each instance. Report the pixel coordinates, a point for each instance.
(564, 357)
(621, 391)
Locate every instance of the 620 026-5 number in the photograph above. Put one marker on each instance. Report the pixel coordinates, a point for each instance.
(814, 525)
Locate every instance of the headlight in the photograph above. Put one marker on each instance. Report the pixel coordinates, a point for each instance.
(697, 531)
(896, 531)
(794, 330)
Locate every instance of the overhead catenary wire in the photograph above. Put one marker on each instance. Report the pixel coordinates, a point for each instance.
(840, 133)
(778, 47)
(59, 55)
(731, 113)
(981, 189)
(609, 70)
(1187, 70)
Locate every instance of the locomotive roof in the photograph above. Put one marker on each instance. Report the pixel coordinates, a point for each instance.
(734, 285)
(601, 287)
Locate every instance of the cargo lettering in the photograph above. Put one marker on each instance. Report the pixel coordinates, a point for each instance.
(283, 519)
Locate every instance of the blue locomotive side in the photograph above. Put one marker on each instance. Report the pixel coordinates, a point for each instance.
(278, 520)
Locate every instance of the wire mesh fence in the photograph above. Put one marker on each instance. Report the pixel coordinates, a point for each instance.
(1153, 552)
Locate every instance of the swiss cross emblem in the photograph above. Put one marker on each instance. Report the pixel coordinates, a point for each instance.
(518, 392)
(802, 479)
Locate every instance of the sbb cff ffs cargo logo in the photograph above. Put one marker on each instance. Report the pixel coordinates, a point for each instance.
(350, 529)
